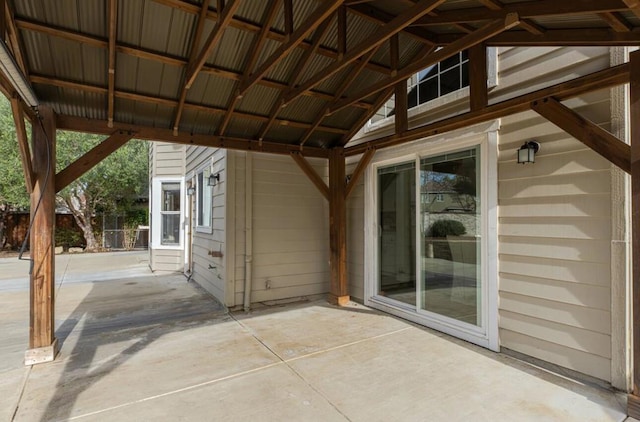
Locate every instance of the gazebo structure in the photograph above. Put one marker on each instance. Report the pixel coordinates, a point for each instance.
(289, 77)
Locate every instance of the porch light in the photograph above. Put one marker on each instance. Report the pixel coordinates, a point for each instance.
(15, 76)
(527, 152)
(213, 179)
(191, 190)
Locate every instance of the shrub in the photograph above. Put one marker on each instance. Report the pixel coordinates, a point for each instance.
(444, 228)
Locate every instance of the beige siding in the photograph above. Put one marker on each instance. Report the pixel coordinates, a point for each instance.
(554, 221)
(290, 230)
(166, 160)
(209, 271)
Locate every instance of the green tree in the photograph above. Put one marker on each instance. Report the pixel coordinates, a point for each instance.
(13, 193)
(111, 186)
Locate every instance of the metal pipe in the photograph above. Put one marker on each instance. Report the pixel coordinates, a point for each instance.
(248, 233)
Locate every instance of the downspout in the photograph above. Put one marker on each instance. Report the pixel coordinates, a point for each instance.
(248, 233)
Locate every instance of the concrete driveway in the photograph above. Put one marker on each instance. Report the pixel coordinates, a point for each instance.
(140, 346)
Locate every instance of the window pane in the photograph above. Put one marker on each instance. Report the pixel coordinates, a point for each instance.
(428, 90)
(171, 197)
(465, 74)
(170, 229)
(450, 62)
(450, 81)
(397, 222)
(204, 201)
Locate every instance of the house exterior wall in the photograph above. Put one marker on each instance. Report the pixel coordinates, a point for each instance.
(554, 226)
(290, 241)
(208, 247)
(167, 162)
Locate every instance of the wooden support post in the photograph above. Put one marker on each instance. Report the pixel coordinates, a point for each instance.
(633, 399)
(478, 97)
(338, 291)
(43, 346)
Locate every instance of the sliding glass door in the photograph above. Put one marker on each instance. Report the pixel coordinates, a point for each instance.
(429, 236)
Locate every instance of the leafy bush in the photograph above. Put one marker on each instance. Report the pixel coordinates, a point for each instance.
(69, 238)
(444, 228)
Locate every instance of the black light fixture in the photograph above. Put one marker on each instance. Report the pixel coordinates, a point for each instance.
(527, 152)
(214, 179)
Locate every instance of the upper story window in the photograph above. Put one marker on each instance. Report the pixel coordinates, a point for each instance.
(438, 80)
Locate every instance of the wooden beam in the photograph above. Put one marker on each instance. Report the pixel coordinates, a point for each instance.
(359, 171)
(401, 119)
(387, 31)
(42, 340)
(527, 9)
(14, 39)
(323, 11)
(616, 21)
(113, 24)
(80, 124)
(463, 43)
(603, 79)
(634, 6)
(91, 158)
(633, 399)
(376, 15)
(587, 132)
(338, 287)
(297, 74)
(382, 98)
(478, 74)
(342, 31)
(250, 63)
(211, 43)
(288, 16)
(23, 143)
(531, 27)
(3, 19)
(338, 95)
(309, 171)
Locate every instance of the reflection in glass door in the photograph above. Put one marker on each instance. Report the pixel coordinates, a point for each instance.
(450, 241)
(397, 232)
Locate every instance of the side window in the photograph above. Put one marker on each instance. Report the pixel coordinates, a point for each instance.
(203, 199)
(170, 213)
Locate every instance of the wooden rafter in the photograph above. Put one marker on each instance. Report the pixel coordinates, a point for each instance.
(256, 49)
(401, 116)
(196, 61)
(91, 158)
(297, 74)
(616, 21)
(463, 43)
(113, 24)
(23, 143)
(339, 92)
(359, 170)
(364, 118)
(3, 19)
(316, 18)
(634, 6)
(526, 10)
(80, 124)
(309, 171)
(342, 31)
(378, 16)
(525, 24)
(603, 79)
(43, 80)
(387, 31)
(587, 132)
(288, 17)
(14, 38)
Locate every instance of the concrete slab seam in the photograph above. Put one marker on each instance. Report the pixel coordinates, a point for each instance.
(177, 391)
(22, 390)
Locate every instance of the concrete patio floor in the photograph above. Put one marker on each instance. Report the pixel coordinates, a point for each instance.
(143, 346)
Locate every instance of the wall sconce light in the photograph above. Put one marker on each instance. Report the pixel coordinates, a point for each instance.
(191, 190)
(527, 152)
(214, 179)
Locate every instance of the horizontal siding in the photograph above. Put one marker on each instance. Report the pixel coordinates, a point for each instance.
(168, 159)
(167, 259)
(554, 230)
(289, 227)
(209, 271)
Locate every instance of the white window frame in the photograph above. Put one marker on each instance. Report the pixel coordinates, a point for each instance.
(417, 111)
(205, 170)
(484, 135)
(156, 213)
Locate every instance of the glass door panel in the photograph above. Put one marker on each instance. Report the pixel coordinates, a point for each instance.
(451, 232)
(397, 232)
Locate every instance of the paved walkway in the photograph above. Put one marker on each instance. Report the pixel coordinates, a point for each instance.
(155, 347)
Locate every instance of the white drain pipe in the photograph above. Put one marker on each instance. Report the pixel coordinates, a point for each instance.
(248, 233)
